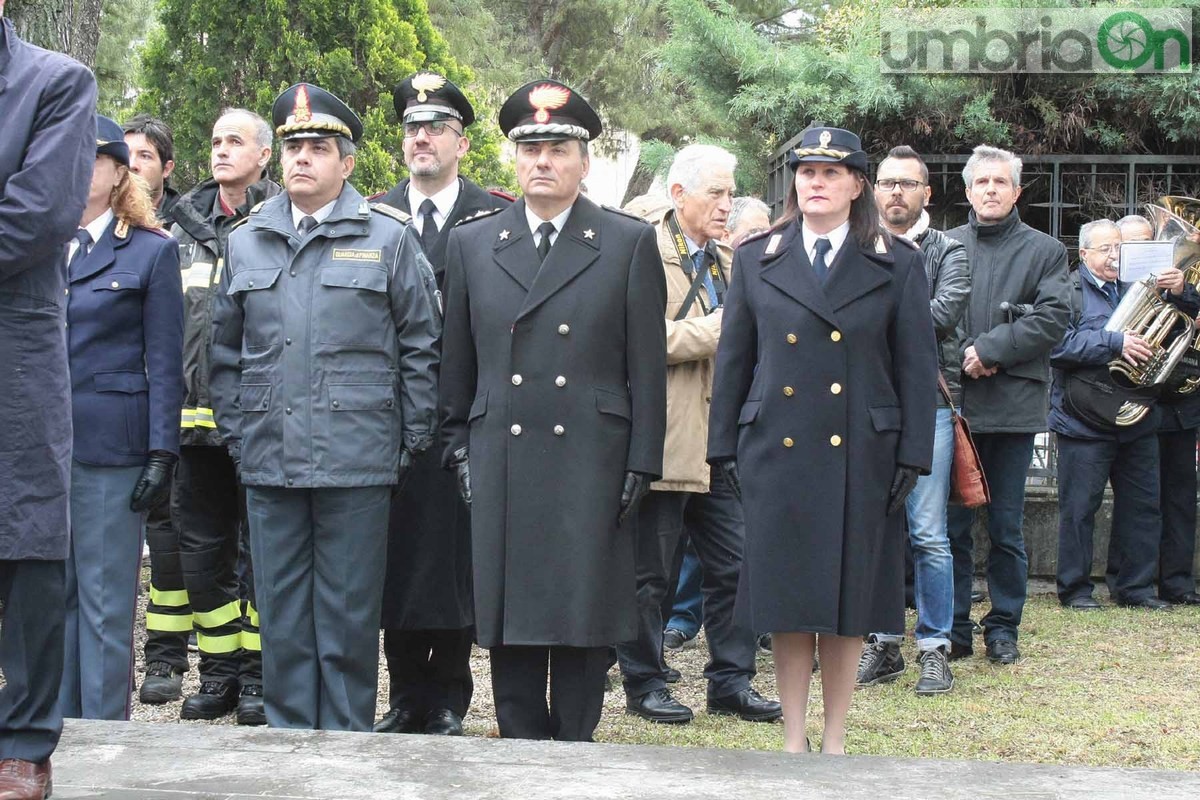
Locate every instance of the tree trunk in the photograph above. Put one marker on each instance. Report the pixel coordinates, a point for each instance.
(68, 26)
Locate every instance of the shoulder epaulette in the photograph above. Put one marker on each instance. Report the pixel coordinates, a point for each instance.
(160, 231)
(624, 213)
(258, 206)
(756, 236)
(503, 195)
(391, 211)
(122, 229)
(375, 197)
(487, 212)
(243, 220)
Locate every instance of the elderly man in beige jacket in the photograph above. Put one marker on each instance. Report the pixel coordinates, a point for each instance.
(689, 499)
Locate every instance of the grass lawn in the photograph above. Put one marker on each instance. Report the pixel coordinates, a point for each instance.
(1111, 688)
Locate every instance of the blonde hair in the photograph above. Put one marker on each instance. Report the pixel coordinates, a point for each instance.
(131, 203)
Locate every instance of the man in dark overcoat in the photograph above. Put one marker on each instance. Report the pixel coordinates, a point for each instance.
(427, 615)
(553, 396)
(47, 150)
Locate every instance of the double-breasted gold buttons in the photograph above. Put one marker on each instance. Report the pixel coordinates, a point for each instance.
(835, 388)
(787, 441)
(835, 440)
(835, 336)
(791, 338)
(788, 391)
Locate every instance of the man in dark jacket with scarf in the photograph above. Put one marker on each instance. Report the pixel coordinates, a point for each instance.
(1006, 367)
(1089, 456)
(46, 155)
(208, 508)
(902, 192)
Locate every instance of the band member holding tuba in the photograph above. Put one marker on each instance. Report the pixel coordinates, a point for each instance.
(1092, 453)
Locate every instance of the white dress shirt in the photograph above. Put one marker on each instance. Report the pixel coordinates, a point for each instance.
(558, 222)
(320, 215)
(836, 238)
(443, 204)
(95, 229)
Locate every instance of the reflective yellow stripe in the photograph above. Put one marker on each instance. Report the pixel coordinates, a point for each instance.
(250, 641)
(218, 644)
(176, 598)
(169, 623)
(218, 616)
(252, 613)
(197, 418)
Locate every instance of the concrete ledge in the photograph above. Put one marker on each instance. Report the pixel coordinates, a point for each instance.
(137, 761)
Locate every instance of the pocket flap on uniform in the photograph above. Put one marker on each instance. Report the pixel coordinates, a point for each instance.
(369, 278)
(749, 412)
(256, 396)
(128, 382)
(478, 407)
(885, 418)
(1035, 370)
(251, 280)
(117, 282)
(361, 396)
(612, 403)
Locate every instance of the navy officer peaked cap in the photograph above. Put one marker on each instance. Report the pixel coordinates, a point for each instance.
(427, 97)
(110, 140)
(829, 145)
(305, 111)
(547, 111)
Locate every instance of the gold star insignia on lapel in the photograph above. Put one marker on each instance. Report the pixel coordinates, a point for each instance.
(503, 236)
(589, 234)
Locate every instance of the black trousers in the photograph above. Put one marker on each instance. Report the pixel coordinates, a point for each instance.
(429, 670)
(168, 615)
(209, 510)
(1177, 482)
(714, 524)
(1084, 467)
(31, 657)
(576, 680)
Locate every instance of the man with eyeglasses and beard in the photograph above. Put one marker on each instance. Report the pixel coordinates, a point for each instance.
(427, 617)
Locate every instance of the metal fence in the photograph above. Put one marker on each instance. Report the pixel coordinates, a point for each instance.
(1059, 194)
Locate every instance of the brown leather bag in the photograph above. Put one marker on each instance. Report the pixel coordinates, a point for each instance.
(968, 484)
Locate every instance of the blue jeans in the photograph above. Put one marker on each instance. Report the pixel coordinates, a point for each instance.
(933, 566)
(1005, 458)
(685, 616)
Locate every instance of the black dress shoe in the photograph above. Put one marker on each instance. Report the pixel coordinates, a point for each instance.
(747, 704)
(659, 706)
(1085, 603)
(1149, 603)
(250, 710)
(1185, 599)
(443, 722)
(958, 651)
(1003, 651)
(214, 700)
(162, 684)
(400, 720)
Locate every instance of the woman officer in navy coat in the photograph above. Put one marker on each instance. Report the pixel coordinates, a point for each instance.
(823, 405)
(125, 343)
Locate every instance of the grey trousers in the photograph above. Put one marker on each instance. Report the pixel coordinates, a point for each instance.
(102, 588)
(319, 560)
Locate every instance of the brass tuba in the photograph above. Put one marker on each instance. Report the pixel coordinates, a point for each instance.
(1169, 332)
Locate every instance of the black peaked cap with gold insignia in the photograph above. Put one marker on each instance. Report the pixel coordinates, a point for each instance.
(546, 111)
(110, 140)
(829, 145)
(427, 97)
(305, 111)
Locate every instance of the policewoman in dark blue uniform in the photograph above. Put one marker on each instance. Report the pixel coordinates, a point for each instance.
(125, 345)
(823, 405)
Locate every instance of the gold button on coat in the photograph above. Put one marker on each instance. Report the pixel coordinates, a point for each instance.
(835, 440)
(788, 391)
(560, 381)
(791, 338)
(516, 379)
(787, 441)
(836, 336)
(836, 388)
(515, 430)
(559, 430)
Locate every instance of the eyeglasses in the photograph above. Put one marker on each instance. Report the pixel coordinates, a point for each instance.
(1106, 249)
(432, 128)
(908, 185)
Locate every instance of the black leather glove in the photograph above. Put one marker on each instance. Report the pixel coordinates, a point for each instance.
(903, 482)
(154, 484)
(462, 470)
(406, 464)
(637, 484)
(729, 471)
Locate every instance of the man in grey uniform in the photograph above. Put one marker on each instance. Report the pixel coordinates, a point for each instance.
(324, 384)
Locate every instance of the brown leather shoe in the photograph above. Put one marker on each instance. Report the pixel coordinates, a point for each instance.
(25, 780)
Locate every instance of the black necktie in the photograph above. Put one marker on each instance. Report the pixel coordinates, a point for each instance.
(429, 229)
(1110, 291)
(545, 229)
(822, 247)
(85, 240)
(306, 225)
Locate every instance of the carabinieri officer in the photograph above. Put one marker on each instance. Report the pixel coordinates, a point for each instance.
(324, 384)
